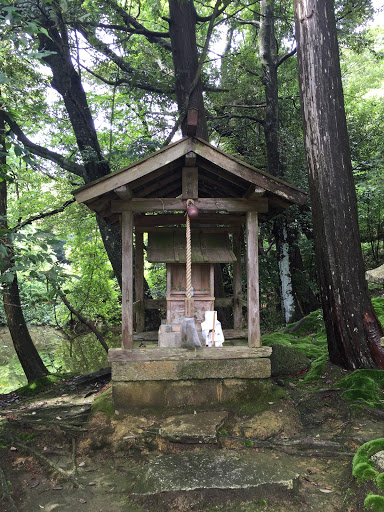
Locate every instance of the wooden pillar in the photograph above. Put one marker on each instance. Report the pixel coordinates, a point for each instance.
(236, 284)
(139, 281)
(127, 280)
(253, 281)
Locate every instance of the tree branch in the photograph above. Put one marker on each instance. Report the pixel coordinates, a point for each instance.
(214, 15)
(124, 28)
(83, 320)
(42, 152)
(43, 215)
(120, 81)
(152, 37)
(286, 56)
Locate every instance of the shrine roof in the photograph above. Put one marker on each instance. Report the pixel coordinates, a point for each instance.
(159, 175)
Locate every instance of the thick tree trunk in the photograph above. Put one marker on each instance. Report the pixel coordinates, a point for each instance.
(26, 351)
(353, 330)
(182, 29)
(67, 82)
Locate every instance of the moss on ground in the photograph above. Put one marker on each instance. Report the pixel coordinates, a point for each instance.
(104, 403)
(38, 385)
(363, 467)
(365, 386)
(374, 503)
(311, 340)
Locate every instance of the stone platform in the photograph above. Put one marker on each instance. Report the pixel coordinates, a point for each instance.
(180, 377)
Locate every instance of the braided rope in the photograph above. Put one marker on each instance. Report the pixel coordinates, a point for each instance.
(188, 260)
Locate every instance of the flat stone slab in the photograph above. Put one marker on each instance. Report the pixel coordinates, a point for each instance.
(158, 364)
(193, 428)
(207, 470)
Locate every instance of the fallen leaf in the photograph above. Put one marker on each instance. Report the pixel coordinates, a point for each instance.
(81, 500)
(326, 490)
(92, 483)
(58, 417)
(82, 464)
(117, 412)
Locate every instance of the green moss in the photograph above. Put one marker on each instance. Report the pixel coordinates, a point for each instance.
(256, 397)
(378, 304)
(35, 387)
(104, 403)
(317, 368)
(364, 386)
(362, 464)
(380, 481)
(374, 502)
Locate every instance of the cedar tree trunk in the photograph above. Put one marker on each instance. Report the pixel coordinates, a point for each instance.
(29, 358)
(286, 244)
(353, 330)
(182, 29)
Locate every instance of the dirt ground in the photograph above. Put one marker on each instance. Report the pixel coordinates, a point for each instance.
(55, 456)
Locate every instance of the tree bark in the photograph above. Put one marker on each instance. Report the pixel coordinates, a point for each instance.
(353, 330)
(182, 29)
(269, 59)
(67, 82)
(26, 351)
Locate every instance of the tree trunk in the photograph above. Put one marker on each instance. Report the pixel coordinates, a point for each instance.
(67, 82)
(182, 29)
(269, 62)
(353, 330)
(29, 358)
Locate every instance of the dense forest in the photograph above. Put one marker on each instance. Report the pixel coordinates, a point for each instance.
(88, 87)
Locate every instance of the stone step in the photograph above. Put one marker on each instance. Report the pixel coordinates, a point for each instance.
(253, 473)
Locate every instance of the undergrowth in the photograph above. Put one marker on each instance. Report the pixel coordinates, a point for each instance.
(311, 340)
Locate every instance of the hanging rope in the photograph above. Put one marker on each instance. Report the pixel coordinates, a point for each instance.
(188, 260)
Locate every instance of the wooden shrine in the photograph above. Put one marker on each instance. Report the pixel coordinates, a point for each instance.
(150, 196)
(208, 248)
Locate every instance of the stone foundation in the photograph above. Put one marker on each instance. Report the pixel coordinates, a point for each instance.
(179, 377)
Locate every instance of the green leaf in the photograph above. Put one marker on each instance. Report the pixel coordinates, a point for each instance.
(3, 78)
(7, 277)
(17, 150)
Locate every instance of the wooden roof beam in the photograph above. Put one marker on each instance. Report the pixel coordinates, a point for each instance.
(254, 192)
(203, 204)
(171, 219)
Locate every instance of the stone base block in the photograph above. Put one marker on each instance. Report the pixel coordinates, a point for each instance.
(177, 377)
(127, 395)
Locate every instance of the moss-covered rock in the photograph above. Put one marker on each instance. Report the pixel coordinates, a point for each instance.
(374, 503)
(287, 361)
